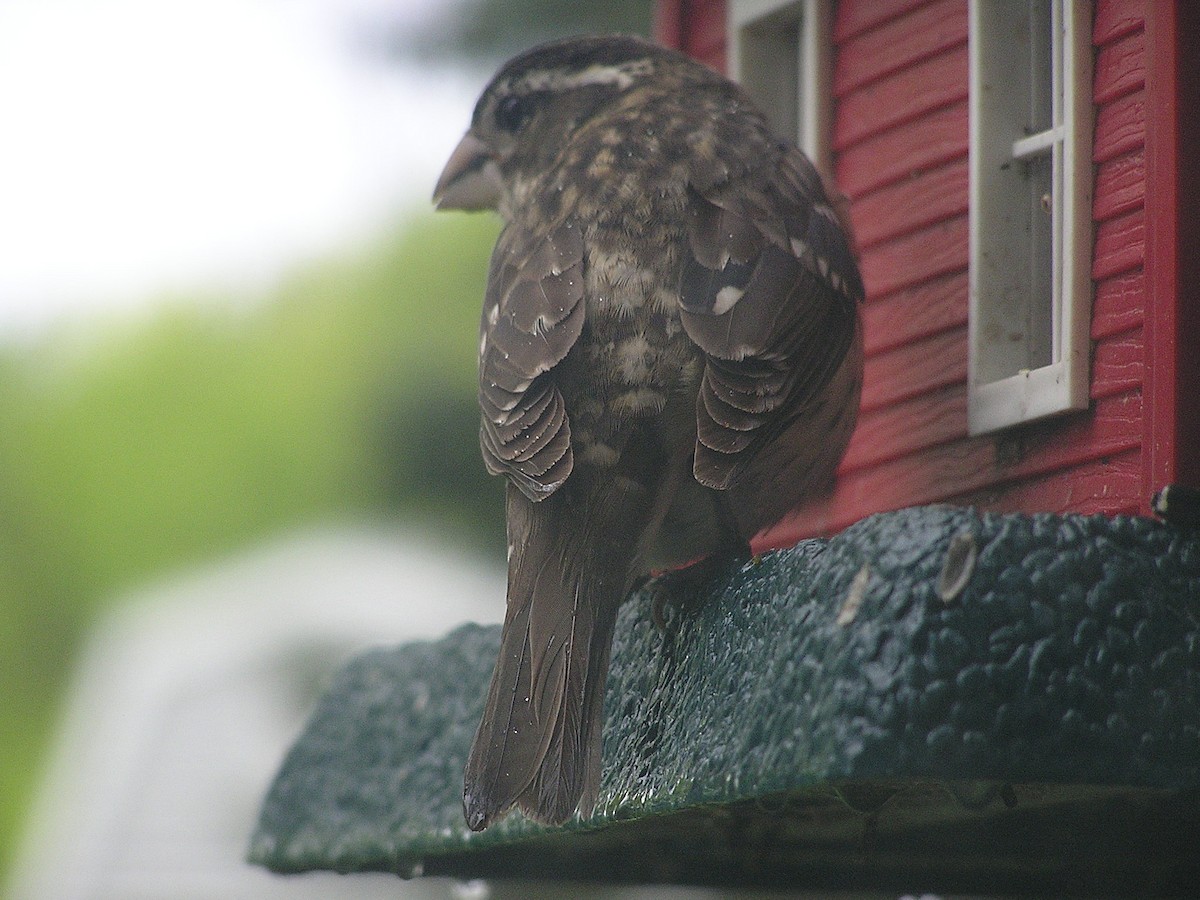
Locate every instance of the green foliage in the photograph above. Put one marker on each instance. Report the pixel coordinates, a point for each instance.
(162, 443)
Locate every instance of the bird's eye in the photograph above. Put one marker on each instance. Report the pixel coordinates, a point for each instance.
(513, 112)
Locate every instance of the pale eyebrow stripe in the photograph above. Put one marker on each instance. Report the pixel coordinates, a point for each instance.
(622, 75)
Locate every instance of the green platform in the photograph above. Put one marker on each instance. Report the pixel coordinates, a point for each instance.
(931, 699)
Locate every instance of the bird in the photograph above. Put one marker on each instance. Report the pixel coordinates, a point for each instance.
(1178, 504)
(670, 359)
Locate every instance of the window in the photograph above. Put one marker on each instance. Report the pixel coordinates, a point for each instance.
(780, 52)
(1030, 221)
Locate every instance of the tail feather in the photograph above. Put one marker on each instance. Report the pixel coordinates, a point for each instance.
(569, 775)
(538, 744)
(503, 757)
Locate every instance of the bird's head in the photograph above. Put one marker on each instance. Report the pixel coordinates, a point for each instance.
(531, 107)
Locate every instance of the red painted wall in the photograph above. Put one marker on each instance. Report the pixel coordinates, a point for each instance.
(900, 153)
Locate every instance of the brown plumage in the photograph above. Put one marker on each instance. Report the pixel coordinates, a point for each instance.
(670, 360)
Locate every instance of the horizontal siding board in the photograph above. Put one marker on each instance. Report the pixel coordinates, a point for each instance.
(902, 96)
(914, 369)
(903, 153)
(1117, 364)
(918, 35)
(1037, 449)
(1117, 18)
(1120, 245)
(1054, 445)
(1108, 486)
(1120, 127)
(856, 16)
(918, 312)
(911, 204)
(935, 250)
(1111, 487)
(1119, 304)
(1056, 451)
(903, 428)
(1120, 186)
(1120, 68)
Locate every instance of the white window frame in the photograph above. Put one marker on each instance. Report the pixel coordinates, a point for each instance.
(779, 50)
(1005, 307)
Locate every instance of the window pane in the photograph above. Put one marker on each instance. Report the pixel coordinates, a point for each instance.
(1039, 323)
(1041, 87)
(770, 67)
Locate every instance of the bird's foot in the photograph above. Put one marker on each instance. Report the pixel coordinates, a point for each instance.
(684, 589)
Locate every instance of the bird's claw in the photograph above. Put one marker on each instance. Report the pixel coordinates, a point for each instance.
(684, 589)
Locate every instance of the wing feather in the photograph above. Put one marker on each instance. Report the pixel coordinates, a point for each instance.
(769, 290)
(532, 315)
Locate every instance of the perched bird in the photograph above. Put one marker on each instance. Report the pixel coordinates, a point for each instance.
(1178, 504)
(670, 359)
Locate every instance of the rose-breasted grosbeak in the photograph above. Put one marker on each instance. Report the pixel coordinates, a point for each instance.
(670, 359)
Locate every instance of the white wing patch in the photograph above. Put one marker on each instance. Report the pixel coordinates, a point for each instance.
(726, 297)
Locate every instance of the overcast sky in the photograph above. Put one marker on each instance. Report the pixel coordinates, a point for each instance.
(155, 145)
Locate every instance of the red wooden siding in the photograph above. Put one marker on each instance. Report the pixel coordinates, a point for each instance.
(900, 154)
(696, 27)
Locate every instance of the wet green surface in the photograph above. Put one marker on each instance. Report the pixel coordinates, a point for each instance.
(972, 701)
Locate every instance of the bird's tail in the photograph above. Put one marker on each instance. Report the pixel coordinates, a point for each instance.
(538, 744)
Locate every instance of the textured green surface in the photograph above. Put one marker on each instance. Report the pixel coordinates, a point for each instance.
(857, 712)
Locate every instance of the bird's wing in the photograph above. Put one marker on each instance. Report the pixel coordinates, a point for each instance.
(769, 290)
(532, 315)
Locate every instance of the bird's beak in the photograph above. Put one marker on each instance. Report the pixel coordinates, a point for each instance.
(471, 179)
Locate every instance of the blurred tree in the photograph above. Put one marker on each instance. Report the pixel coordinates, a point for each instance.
(168, 442)
(488, 31)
